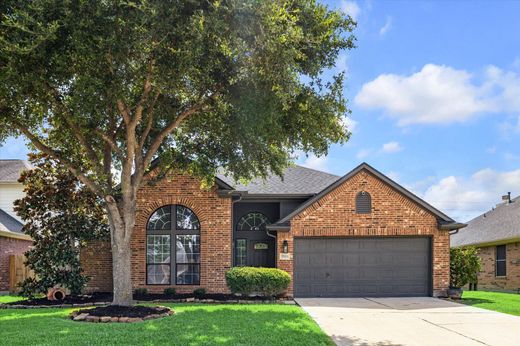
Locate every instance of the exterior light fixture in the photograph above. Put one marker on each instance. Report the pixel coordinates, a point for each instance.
(285, 247)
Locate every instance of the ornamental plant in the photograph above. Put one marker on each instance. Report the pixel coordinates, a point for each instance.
(107, 87)
(60, 215)
(266, 281)
(464, 266)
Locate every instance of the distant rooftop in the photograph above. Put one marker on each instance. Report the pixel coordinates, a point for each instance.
(10, 170)
(297, 180)
(500, 224)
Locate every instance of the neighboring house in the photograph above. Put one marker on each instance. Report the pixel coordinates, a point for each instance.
(497, 235)
(357, 235)
(12, 240)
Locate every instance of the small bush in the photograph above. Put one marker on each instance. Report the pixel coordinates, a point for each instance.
(464, 266)
(266, 281)
(170, 291)
(199, 292)
(141, 291)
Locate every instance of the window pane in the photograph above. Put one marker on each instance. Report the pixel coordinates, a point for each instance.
(160, 219)
(186, 218)
(188, 249)
(253, 222)
(240, 252)
(158, 274)
(188, 274)
(501, 268)
(501, 252)
(158, 249)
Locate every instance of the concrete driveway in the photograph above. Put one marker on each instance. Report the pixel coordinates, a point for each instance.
(410, 321)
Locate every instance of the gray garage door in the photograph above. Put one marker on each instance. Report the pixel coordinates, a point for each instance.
(362, 267)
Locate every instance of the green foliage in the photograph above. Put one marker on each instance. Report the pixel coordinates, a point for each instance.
(141, 291)
(267, 281)
(464, 266)
(248, 74)
(170, 291)
(199, 291)
(60, 215)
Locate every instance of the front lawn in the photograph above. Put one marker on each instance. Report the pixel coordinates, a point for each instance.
(249, 324)
(508, 303)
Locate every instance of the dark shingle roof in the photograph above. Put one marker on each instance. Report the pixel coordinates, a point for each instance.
(10, 170)
(297, 180)
(9, 223)
(494, 226)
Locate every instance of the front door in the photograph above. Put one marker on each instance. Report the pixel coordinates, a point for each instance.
(253, 246)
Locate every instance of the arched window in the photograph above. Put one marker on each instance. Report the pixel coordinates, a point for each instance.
(163, 261)
(253, 222)
(363, 203)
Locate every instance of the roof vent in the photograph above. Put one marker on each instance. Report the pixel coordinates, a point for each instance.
(506, 199)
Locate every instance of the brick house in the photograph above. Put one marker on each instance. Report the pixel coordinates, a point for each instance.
(357, 235)
(12, 240)
(496, 233)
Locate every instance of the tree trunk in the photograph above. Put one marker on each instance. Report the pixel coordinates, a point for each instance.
(121, 233)
(122, 274)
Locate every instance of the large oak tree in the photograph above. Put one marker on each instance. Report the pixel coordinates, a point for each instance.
(105, 87)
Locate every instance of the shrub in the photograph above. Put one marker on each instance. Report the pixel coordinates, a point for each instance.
(266, 281)
(141, 291)
(170, 291)
(464, 266)
(199, 292)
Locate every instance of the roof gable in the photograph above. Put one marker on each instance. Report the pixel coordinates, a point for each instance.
(364, 166)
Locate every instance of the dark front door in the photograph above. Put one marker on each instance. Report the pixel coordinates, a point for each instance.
(253, 246)
(260, 253)
(362, 267)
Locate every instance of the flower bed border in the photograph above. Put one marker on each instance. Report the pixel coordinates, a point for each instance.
(288, 301)
(85, 317)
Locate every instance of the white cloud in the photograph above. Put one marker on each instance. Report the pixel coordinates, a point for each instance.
(510, 127)
(351, 8)
(314, 162)
(391, 147)
(440, 94)
(466, 197)
(350, 124)
(388, 25)
(393, 175)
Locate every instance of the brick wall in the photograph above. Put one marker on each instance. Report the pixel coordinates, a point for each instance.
(214, 214)
(486, 277)
(393, 214)
(96, 260)
(9, 246)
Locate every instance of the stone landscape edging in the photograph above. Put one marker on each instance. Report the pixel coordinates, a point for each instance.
(85, 317)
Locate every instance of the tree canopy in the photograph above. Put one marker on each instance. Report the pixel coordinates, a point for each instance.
(105, 87)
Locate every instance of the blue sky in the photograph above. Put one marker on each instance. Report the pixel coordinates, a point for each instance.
(434, 89)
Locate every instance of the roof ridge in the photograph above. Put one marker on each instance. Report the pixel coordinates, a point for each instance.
(316, 170)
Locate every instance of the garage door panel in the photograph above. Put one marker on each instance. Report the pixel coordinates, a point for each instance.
(362, 267)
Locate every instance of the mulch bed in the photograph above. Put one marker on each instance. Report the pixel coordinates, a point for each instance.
(101, 299)
(120, 314)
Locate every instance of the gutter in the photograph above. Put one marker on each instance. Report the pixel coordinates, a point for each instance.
(9, 234)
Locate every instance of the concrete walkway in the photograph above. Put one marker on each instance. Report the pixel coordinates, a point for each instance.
(410, 321)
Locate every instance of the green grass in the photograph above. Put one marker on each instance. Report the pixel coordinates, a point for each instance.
(508, 303)
(250, 324)
(9, 299)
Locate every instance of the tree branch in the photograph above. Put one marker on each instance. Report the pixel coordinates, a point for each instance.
(54, 154)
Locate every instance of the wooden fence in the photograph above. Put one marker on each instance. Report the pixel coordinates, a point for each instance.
(18, 272)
